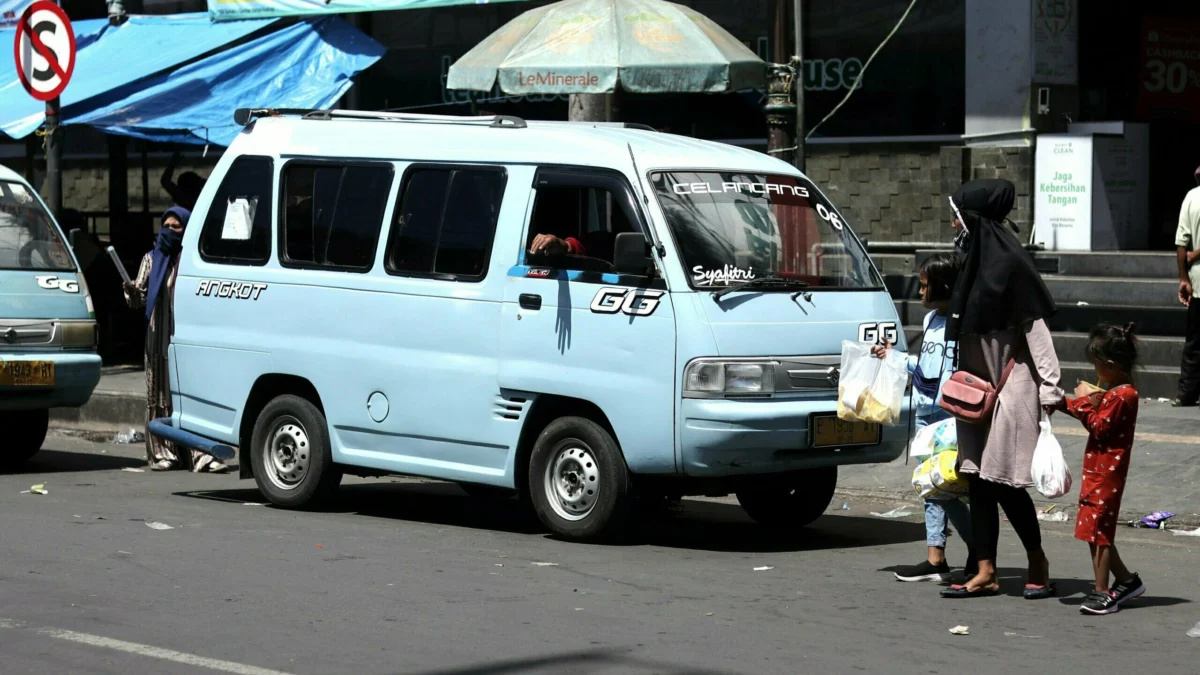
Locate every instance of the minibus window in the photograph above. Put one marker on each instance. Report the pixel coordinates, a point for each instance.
(332, 214)
(731, 227)
(28, 238)
(589, 217)
(445, 223)
(237, 229)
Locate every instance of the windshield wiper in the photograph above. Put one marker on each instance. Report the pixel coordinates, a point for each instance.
(768, 281)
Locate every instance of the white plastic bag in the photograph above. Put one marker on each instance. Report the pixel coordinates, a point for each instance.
(1051, 475)
(922, 442)
(871, 389)
(934, 438)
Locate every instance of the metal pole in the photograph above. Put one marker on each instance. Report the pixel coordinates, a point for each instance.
(780, 109)
(52, 187)
(798, 64)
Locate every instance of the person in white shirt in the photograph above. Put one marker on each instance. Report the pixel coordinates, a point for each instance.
(1187, 254)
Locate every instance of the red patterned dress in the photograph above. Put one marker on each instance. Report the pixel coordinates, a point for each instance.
(1105, 461)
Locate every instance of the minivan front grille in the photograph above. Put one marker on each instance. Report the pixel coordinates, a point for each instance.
(807, 373)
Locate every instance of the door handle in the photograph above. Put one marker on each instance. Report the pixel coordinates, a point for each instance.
(530, 301)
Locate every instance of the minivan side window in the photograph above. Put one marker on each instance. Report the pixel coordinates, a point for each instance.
(237, 229)
(445, 221)
(584, 210)
(331, 214)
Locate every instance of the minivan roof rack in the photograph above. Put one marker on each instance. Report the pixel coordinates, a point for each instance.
(604, 125)
(244, 116)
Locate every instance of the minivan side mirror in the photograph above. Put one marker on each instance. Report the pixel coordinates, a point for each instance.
(631, 254)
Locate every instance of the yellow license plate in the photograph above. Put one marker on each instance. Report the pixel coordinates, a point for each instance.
(829, 431)
(26, 373)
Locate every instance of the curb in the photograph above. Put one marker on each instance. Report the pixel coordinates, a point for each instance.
(114, 409)
(904, 497)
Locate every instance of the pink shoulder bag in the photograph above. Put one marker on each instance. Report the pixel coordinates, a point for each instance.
(970, 398)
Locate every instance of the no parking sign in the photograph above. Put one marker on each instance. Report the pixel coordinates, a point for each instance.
(44, 50)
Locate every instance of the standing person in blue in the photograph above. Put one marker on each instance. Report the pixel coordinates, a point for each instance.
(154, 289)
(932, 367)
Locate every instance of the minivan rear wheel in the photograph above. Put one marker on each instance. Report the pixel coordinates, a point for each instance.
(793, 499)
(25, 432)
(578, 480)
(293, 463)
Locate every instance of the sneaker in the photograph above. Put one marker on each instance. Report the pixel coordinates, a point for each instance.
(1128, 590)
(925, 571)
(1099, 602)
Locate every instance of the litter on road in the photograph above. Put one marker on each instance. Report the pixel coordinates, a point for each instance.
(544, 564)
(1195, 631)
(1155, 521)
(1060, 517)
(155, 525)
(898, 512)
(130, 469)
(129, 436)
(1187, 533)
(39, 489)
(764, 568)
(960, 630)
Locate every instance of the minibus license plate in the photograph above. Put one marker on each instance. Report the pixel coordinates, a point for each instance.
(26, 373)
(829, 431)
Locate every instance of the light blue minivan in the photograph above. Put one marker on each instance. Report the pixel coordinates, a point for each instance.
(593, 316)
(47, 325)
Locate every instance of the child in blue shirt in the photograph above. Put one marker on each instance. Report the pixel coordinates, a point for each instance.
(930, 369)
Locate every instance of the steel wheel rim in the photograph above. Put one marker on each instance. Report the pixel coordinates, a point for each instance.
(572, 481)
(287, 454)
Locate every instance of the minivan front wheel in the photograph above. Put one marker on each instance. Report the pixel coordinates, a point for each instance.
(293, 464)
(25, 431)
(793, 499)
(578, 480)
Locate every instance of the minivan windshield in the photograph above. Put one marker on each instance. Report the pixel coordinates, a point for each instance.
(735, 227)
(28, 238)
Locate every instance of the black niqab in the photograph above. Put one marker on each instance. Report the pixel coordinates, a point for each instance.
(999, 287)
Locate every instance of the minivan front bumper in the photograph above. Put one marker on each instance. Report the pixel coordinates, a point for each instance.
(726, 437)
(76, 375)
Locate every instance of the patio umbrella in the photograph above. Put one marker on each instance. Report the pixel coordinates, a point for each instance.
(600, 46)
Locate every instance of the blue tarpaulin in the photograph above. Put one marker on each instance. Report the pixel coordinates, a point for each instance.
(129, 80)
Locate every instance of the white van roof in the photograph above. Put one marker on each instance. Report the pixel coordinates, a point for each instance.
(502, 140)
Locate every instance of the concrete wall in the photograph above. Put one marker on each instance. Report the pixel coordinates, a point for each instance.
(899, 192)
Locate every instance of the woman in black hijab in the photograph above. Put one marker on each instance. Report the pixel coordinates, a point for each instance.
(997, 314)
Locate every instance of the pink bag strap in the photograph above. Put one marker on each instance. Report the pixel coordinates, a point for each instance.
(1004, 377)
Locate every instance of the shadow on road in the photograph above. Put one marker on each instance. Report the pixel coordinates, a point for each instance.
(63, 461)
(582, 661)
(696, 525)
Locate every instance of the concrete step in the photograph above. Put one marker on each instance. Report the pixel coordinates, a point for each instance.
(1114, 291)
(1153, 350)
(1136, 264)
(1071, 290)
(1159, 321)
(106, 409)
(1152, 382)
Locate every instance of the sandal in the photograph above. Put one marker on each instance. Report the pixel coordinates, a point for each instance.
(1036, 592)
(957, 592)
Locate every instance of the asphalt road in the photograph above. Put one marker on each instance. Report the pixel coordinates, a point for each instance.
(414, 577)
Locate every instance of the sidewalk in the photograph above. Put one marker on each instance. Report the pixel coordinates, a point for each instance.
(1164, 475)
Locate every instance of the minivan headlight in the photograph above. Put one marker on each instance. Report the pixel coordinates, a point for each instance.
(77, 334)
(729, 378)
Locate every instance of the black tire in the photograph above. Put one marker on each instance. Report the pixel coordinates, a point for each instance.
(24, 433)
(488, 492)
(596, 514)
(303, 434)
(789, 500)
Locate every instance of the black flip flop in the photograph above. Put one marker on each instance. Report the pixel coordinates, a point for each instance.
(1034, 592)
(957, 592)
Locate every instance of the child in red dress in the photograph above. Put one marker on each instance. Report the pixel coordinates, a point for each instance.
(1109, 412)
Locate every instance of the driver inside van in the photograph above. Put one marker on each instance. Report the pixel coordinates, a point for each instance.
(575, 222)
